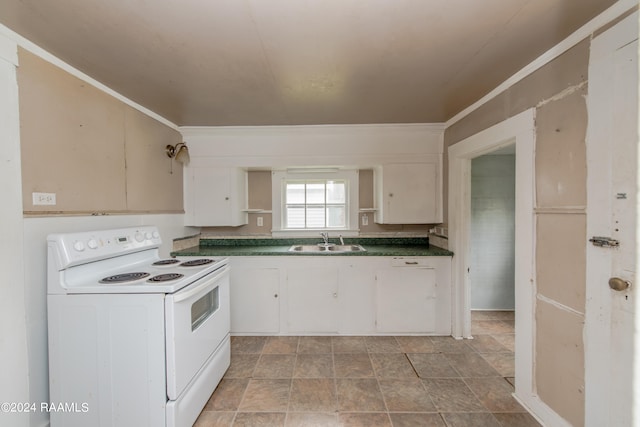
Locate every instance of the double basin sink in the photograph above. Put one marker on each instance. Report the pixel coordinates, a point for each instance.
(326, 248)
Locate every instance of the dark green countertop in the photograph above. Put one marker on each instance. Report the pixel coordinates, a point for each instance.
(276, 247)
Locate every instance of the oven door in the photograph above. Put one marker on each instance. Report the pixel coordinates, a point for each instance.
(197, 321)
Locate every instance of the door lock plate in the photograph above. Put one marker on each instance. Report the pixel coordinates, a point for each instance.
(605, 242)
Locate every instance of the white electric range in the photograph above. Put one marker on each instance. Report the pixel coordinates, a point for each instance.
(134, 339)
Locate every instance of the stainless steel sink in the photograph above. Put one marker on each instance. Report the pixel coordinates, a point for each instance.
(326, 249)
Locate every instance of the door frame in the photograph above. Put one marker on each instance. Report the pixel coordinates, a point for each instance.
(518, 130)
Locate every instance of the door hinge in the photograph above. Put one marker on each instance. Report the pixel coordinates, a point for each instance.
(605, 242)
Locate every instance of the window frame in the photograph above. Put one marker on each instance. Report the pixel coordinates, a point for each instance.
(281, 177)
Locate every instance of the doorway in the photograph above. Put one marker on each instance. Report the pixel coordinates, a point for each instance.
(519, 132)
(493, 215)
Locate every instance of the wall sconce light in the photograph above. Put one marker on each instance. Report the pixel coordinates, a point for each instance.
(179, 151)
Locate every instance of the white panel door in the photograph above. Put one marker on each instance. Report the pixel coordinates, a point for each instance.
(611, 213)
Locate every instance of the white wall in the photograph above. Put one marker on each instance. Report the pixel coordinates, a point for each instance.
(330, 145)
(493, 232)
(14, 385)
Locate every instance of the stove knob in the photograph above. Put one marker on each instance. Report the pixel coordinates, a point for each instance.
(156, 235)
(148, 235)
(92, 244)
(139, 237)
(78, 246)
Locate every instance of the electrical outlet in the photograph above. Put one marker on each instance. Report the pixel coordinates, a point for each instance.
(260, 221)
(365, 219)
(44, 198)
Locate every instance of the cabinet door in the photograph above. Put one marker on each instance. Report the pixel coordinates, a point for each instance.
(216, 196)
(357, 297)
(406, 300)
(408, 194)
(255, 299)
(312, 299)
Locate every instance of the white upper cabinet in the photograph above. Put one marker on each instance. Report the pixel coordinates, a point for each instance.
(408, 193)
(215, 196)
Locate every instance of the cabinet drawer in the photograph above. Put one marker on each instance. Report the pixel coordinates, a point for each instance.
(410, 262)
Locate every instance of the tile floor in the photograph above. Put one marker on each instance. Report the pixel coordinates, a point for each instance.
(372, 381)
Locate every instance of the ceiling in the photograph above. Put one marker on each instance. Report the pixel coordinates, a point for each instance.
(294, 62)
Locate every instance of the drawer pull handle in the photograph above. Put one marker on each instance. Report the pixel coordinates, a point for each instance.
(411, 262)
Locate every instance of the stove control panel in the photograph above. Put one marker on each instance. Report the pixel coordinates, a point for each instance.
(87, 246)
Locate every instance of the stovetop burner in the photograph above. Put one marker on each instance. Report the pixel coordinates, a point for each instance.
(124, 277)
(164, 262)
(165, 277)
(196, 262)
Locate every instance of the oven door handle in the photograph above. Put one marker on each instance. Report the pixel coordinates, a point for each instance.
(181, 296)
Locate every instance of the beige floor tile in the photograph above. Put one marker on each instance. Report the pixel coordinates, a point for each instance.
(507, 340)
(406, 396)
(392, 365)
(365, 420)
(450, 345)
(260, 419)
(266, 395)
(432, 365)
(471, 420)
(359, 395)
(314, 366)
(281, 345)
(242, 365)
(228, 395)
(349, 345)
(471, 365)
(275, 366)
(314, 345)
(311, 419)
(215, 419)
(452, 395)
(247, 344)
(487, 344)
(416, 420)
(494, 393)
(377, 344)
(353, 365)
(483, 327)
(504, 363)
(313, 395)
(416, 344)
(372, 381)
(521, 419)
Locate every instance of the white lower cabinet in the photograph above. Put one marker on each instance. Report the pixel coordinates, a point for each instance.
(312, 297)
(357, 311)
(293, 295)
(406, 300)
(255, 296)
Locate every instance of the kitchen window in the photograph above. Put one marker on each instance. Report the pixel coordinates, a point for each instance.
(315, 204)
(308, 200)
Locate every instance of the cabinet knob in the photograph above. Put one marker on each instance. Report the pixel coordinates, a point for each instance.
(226, 198)
(335, 295)
(275, 295)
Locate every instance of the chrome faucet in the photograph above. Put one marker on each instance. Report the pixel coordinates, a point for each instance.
(341, 240)
(325, 237)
